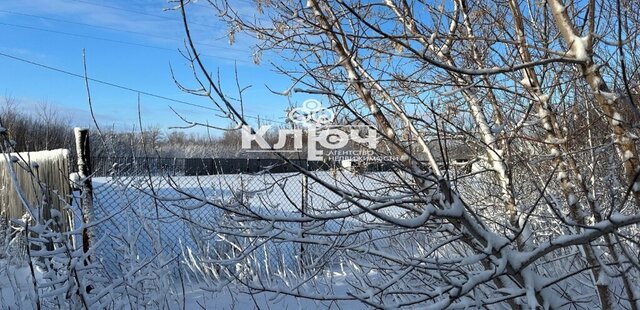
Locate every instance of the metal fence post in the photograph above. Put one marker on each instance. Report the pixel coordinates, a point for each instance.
(303, 207)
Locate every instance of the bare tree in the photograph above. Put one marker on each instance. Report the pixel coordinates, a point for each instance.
(541, 90)
(44, 129)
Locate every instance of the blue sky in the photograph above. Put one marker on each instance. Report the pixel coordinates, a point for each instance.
(130, 43)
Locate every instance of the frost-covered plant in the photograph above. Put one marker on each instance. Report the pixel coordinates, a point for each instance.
(44, 250)
(548, 217)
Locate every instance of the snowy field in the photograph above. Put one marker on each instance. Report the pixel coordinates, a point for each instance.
(16, 292)
(161, 211)
(166, 243)
(151, 226)
(166, 220)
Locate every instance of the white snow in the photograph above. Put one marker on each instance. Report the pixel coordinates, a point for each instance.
(617, 119)
(579, 48)
(627, 155)
(77, 131)
(232, 298)
(351, 75)
(390, 133)
(17, 292)
(561, 176)
(374, 109)
(40, 156)
(443, 52)
(75, 180)
(432, 38)
(543, 113)
(530, 287)
(16, 286)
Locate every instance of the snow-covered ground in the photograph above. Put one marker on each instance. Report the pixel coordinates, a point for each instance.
(137, 220)
(16, 286)
(146, 234)
(17, 292)
(121, 208)
(230, 300)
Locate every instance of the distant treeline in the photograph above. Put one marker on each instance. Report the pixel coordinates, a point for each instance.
(43, 129)
(46, 128)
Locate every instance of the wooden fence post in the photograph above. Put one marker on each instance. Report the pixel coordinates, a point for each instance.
(84, 171)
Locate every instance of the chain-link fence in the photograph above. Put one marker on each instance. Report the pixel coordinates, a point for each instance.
(159, 212)
(168, 218)
(273, 220)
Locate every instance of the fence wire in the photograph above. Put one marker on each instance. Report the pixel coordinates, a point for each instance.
(170, 217)
(158, 166)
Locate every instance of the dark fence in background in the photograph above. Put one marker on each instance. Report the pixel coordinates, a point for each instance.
(157, 166)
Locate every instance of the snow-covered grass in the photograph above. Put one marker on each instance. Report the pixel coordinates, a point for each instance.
(179, 223)
(162, 208)
(245, 241)
(16, 286)
(17, 292)
(164, 238)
